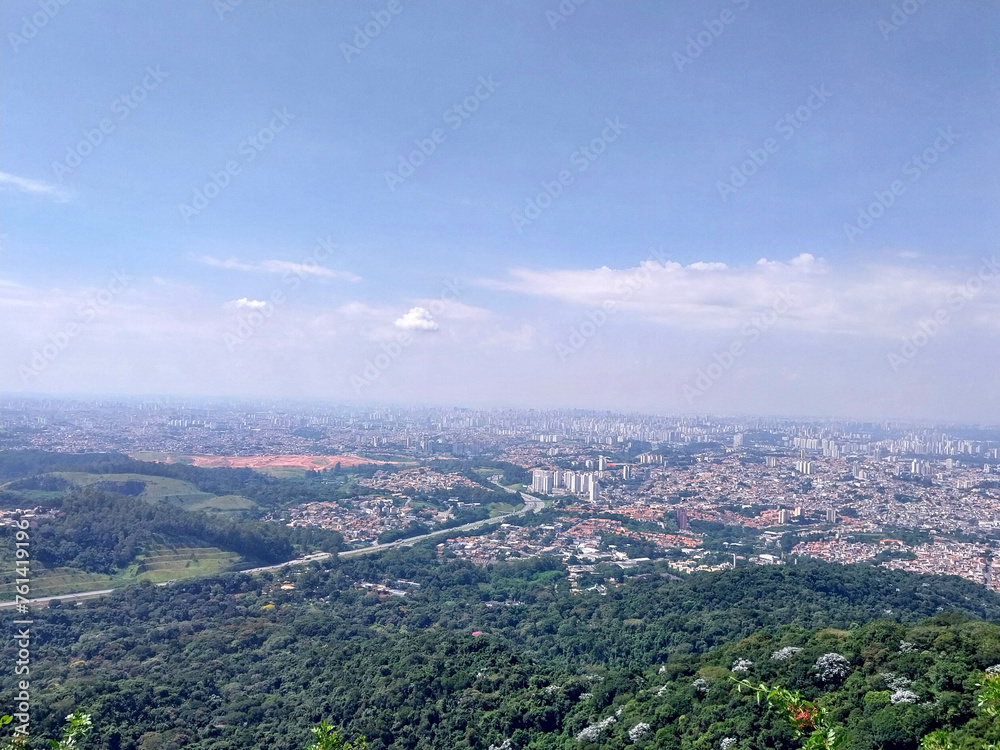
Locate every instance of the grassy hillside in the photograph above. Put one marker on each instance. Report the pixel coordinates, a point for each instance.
(159, 563)
(163, 489)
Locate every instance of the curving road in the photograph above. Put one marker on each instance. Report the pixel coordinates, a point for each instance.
(531, 503)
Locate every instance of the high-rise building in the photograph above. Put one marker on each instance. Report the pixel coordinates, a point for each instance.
(626, 472)
(595, 491)
(784, 516)
(737, 439)
(541, 481)
(682, 519)
(771, 462)
(831, 515)
(602, 463)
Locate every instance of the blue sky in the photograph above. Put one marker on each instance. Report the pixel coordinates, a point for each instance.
(834, 100)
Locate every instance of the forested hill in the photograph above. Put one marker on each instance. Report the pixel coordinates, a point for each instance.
(473, 657)
(102, 532)
(266, 490)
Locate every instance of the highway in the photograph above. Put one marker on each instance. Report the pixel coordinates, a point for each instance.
(530, 503)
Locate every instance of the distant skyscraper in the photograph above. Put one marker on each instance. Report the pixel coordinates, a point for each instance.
(831, 515)
(738, 440)
(595, 491)
(682, 519)
(626, 472)
(602, 463)
(771, 462)
(784, 516)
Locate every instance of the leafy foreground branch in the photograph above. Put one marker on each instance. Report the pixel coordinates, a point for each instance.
(78, 726)
(821, 732)
(328, 738)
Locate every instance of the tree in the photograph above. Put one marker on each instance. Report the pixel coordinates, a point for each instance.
(328, 738)
(78, 726)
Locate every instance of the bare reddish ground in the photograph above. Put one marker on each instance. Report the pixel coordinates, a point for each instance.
(280, 462)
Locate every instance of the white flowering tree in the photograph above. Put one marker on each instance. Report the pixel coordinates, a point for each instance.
(783, 654)
(832, 667)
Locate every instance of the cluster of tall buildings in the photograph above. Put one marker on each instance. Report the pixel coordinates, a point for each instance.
(797, 515)
(582, 483)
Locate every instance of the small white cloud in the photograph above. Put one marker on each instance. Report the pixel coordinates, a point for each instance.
(711, 266)
(34, 187)
(253, 304)
(417, 319)
(277, 266)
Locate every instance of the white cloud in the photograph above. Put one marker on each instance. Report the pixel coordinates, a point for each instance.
(277, 266)
(873, 300)
(33, 187)
(450, 309)
(253, 304)
(417, 319)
